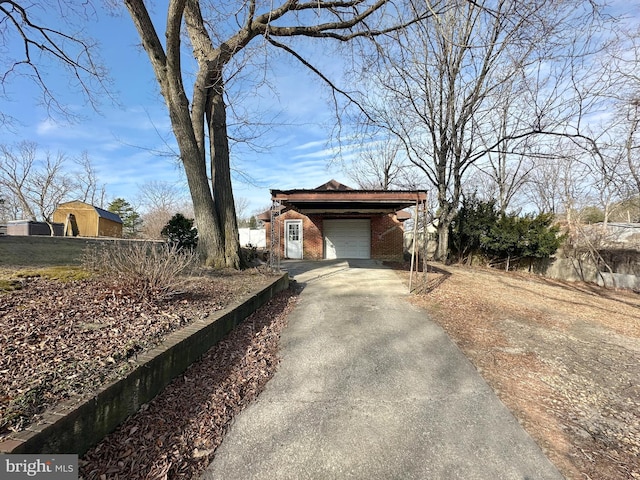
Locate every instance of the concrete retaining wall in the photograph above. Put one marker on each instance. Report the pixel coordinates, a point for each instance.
(41, 251)
(75, 426)
(586, 270)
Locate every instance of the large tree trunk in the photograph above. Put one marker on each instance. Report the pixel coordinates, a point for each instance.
(446, 206)
(221, 176)
(210, 242)
(209, 113)
(190, 138)
(442, 249)
(192, 152)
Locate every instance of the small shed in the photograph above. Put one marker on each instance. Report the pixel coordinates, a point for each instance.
(85, 220)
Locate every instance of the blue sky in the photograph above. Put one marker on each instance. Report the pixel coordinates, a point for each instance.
(125, 139)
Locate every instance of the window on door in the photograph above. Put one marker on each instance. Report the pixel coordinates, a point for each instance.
(294, 232)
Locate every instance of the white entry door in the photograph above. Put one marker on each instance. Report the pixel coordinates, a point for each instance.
(293, 239)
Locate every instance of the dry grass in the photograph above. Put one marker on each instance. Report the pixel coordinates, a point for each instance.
(564, 357)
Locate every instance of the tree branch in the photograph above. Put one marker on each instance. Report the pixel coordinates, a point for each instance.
(329, 30)
(69, 50)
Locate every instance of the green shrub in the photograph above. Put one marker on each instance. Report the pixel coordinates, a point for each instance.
(480, 228)
(179, 231)
(471, 224)
(592, 215)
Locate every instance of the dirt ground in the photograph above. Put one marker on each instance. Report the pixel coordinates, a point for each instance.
(564, 357)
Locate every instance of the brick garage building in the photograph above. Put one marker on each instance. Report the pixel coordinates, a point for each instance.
(336, 221)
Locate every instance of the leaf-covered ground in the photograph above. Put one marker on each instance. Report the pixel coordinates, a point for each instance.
(175, 436)
(61, 339)
(564, 357)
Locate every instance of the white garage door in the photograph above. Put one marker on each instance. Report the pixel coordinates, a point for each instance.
(347, 238)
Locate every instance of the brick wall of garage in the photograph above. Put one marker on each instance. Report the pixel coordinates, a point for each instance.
(387, 238)
(312, 242)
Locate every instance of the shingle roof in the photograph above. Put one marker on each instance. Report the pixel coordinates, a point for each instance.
(114, 217)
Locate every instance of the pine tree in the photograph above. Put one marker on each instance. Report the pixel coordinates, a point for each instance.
(181, 232)
(131, 220)
(471, 224)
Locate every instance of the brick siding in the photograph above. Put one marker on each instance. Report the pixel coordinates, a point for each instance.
(386, 235)
(387, 238)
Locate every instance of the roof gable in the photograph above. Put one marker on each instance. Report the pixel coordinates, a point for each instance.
(333, 185)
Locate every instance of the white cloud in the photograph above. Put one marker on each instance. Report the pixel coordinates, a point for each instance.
(313, 144)
(43, 128)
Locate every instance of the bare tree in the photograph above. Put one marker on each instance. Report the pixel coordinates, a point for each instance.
(161, 194)
(439, 84)
(218, 35)
(38, 182)
(379, 165)
(50, 186)
(88, 187)
(619, 149)
(242, 204)
(631, 148)
(505, 168)
(15, 172)
(159, 201)
(560, 181)
(605, 144)
(30, 45)
(9, 206)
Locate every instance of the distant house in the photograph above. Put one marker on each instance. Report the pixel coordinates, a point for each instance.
(335, 221)
(610, 236)
(85, 220)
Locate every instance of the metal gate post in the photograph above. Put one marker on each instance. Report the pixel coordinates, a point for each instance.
(274, 253)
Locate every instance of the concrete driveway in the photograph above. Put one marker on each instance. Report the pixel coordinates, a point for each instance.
(370, 388)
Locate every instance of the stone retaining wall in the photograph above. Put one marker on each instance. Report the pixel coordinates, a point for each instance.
(76, 425)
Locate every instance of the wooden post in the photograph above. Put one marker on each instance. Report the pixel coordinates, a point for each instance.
(424, 243)
(413, 246)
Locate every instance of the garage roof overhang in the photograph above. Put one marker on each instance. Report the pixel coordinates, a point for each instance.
(347, 201)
